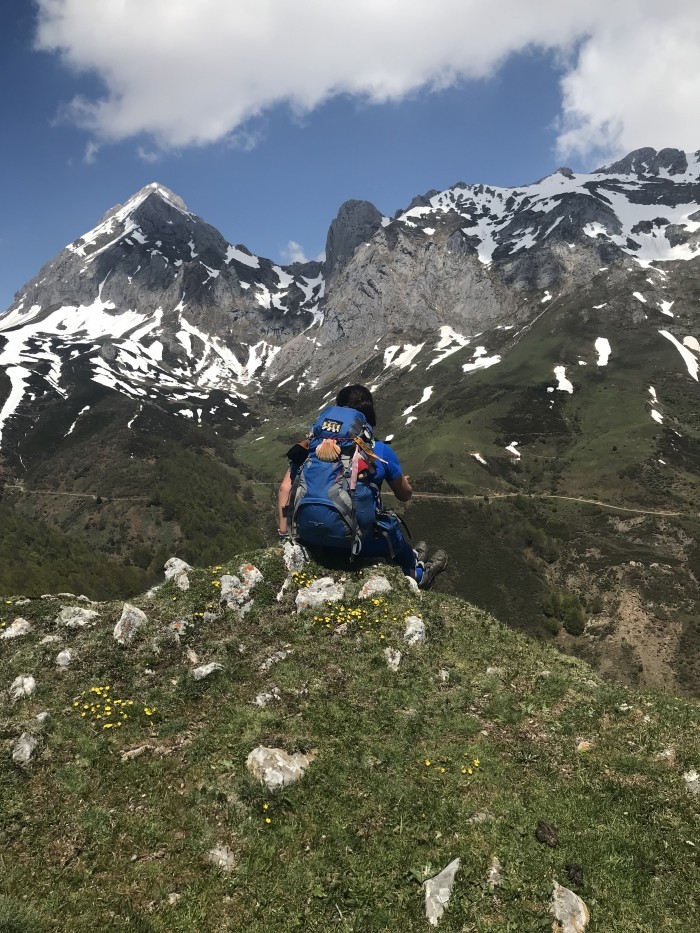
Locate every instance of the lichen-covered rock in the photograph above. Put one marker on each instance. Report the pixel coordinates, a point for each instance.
(438, 891)
(199, 673)
(76, 617)
(570, 913)
(323, 590)
(374, 586)
(63, 658)
(415, 631)
(236, 591)
(130, 622)
(17, 628)
(276, 769)
(24, 748)
(22, 687)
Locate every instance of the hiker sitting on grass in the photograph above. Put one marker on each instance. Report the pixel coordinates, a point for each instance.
(330, 495)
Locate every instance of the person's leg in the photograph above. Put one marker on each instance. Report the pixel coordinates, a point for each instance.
(390, 542)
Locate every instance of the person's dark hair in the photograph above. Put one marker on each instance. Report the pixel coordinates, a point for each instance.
(360, 398)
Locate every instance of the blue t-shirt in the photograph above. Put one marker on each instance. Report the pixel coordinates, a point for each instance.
(390, 470)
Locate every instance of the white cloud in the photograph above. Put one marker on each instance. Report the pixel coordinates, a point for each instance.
(191, 73)
(293, 252)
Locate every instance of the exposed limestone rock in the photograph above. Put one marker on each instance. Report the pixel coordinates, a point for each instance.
(264, 699)
(374, 586)
(63, 658)
(483, 816)
(393, 658)
(583, 745)
(199, 673)
(75, 617)
(415, 631)
(323, 590)
(131, 621)
(174, 566)
(413, 586)
(444, 675)
(692, 782)
(494, 878)
(43, 717)
(24, 748)
(277, 769)
(222, 857)
(50, 640)
(17, 628)
(235, 591)
(177, 570)
(295, 557)
(570, 913)
(22, 687)
(275, 659)
(438, 891)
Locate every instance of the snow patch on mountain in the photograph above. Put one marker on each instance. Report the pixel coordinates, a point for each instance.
(689, 358)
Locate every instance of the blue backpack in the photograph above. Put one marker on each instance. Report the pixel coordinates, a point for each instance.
(334, 500)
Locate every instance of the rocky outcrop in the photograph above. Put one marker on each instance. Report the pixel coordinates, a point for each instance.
(355, 223)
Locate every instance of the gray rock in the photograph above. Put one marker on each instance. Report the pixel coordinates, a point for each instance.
(17, 628)
(22, 687)
(570, 913)
(222, 857)
(235, 591)
(50, 640)
(323, 590)
(210, 617)
(444, 675)
(276, 769)
(43, 717)
(174, 567)
(264, 699)
(130, 622)
(494, 878)
(375, 585)
(295, 556)
(483, 816)
(692, 782)
(415, 631)
(275, 659)
(393, 658)
(63, 658)
(76, 617)
(438, 891)
(24, 748)
(355, 223)
(199, 673)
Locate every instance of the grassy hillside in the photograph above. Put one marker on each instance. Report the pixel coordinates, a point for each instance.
(479, 736)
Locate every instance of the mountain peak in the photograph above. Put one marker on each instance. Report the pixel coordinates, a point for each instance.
(647, 161)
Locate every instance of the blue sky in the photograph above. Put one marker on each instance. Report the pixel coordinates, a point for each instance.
(265, 125)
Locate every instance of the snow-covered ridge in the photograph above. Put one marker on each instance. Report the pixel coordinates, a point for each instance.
(634, 214)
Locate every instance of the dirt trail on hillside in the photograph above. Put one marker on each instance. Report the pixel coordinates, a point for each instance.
(547, 495)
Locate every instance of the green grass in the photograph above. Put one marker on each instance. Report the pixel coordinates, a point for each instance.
(92, 841)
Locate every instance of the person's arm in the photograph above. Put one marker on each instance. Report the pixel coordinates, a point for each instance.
(401, 488)
(282, 502)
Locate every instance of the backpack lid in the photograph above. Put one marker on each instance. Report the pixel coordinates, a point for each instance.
(341, 424)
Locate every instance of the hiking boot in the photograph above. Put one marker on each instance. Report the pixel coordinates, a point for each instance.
(433, 567)
(421, 552)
